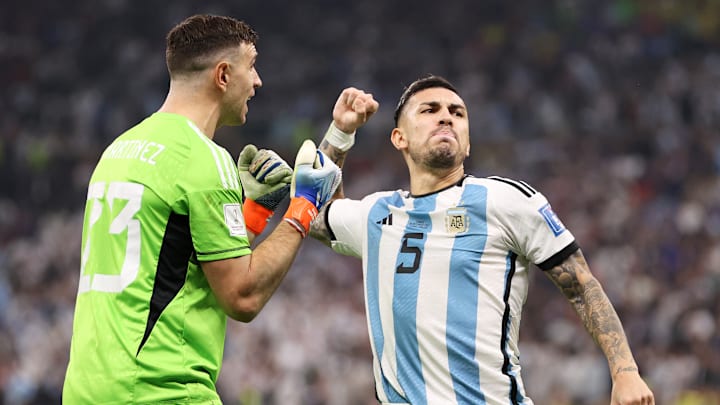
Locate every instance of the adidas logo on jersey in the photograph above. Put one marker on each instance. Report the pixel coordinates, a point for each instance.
(385, 221)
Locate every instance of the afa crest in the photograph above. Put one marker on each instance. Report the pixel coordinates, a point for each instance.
(456, 220)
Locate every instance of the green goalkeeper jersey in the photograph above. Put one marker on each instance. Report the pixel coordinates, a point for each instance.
(147, 326)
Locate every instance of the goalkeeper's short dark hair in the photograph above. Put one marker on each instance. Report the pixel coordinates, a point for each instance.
(423, 83)
(192, 41)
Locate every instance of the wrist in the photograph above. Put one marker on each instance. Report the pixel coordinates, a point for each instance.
(300, 214)
(338, 138)
(631, 368)
(256, 216)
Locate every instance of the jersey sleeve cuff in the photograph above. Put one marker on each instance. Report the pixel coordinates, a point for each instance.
(327, 221)
(223, 254)
(559, 257)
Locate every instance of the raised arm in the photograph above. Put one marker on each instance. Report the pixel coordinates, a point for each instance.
(352, 110)
(585, 294)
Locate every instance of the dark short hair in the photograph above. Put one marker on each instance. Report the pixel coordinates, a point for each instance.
(423, 83)
(201, 35)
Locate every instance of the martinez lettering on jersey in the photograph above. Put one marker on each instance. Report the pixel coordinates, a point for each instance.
(143, 150)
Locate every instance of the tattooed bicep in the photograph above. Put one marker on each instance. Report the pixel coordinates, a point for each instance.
(570, 275)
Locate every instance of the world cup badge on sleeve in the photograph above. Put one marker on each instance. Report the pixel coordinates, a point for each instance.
(234, 219)
(552, 219)
(456, 220)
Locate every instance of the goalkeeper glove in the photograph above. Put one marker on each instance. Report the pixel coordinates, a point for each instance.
(314, 181)
(265, 179)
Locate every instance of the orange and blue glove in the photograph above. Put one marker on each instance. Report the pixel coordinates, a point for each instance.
(314, 182)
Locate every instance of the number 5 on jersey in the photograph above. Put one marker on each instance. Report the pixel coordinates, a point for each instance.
(415, 251)
(121, 220)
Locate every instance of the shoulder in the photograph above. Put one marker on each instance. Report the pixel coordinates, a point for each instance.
(505, 185)
(209, 162)
(365, 204)
(388, 195)
(181, 134)
(200, 162)
(510, 197)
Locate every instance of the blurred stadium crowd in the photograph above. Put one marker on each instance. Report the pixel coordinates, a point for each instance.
(611, 108)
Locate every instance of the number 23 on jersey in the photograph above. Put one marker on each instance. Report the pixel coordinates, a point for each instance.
(110, 224)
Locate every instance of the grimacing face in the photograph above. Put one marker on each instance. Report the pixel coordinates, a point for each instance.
(243, 80)
(434, 129)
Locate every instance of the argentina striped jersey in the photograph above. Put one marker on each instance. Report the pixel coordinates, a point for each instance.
(445, 277)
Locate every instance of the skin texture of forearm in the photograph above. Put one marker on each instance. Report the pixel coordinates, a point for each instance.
(243, 285)
(579, 286)
(270, 267)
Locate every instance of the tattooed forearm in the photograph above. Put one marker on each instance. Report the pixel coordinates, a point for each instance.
(319, 229)
(587, 297)
(337, 156)
(625, 370)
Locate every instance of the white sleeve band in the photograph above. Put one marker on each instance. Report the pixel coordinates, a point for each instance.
(338, 138)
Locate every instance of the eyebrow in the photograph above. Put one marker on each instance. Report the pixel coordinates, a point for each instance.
(436, 104)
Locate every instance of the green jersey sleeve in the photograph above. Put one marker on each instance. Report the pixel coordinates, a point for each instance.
(216, 221)
(210, 193)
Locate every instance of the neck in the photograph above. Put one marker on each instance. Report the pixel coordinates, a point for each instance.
(192, 102)
(427, 181)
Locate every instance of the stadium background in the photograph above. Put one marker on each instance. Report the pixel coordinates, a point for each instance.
(611, 108)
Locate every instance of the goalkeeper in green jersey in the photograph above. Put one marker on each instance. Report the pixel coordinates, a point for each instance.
(166, 244)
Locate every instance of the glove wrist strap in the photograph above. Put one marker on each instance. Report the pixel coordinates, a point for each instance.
(300, 214)
(256, 216)
(339, 139)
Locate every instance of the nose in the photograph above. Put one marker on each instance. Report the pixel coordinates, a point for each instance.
(258, 81)
(446, 117)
